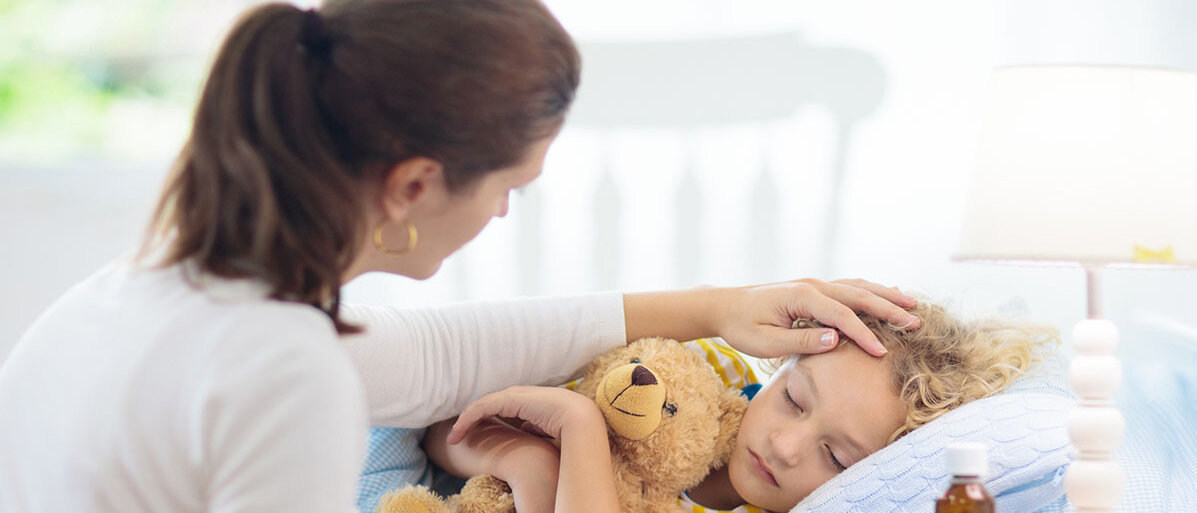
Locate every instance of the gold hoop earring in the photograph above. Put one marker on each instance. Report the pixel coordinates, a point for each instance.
(412, 238)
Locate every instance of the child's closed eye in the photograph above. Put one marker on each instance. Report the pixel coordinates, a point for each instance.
(790, 400)
(835, 462)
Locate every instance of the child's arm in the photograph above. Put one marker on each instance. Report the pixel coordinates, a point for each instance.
(529, 464)
(586, 481)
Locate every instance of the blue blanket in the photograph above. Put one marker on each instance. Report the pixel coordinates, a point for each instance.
(1159, 450)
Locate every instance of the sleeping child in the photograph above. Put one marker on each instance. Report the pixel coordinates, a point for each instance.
(816, 416)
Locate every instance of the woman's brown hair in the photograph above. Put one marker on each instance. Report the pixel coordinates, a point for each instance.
(303, 113)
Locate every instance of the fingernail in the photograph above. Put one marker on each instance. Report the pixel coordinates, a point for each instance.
(882, 350)
(911, 319)
(910, 300)
(828, 339)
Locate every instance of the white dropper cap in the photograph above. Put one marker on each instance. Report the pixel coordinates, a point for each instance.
(967, 459)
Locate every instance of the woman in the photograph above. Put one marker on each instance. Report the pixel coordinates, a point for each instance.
(373, 135)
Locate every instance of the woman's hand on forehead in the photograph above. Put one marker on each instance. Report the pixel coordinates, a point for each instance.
(759, 320)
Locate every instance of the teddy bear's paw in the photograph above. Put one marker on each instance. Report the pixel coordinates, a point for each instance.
(412, 499)
(484, 494)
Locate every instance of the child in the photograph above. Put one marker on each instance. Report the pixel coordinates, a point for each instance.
(816, 416)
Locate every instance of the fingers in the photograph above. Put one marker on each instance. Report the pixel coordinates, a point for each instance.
(549, 409)
(867, 300)
(787, 341)
(832, 312)
(489, 405)
(759, 320)
(466, 421)
(892, 294)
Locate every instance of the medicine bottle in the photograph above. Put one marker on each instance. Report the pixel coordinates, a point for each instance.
(966, 493)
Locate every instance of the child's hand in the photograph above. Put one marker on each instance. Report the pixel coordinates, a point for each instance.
(551, 410)
(586, 481)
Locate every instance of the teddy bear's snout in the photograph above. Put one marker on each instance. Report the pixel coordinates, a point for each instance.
(631, 397)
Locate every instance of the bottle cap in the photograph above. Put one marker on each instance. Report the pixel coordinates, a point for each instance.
(967, 459)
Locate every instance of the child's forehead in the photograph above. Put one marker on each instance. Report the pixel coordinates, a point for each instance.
(845, 345)
(839, 363)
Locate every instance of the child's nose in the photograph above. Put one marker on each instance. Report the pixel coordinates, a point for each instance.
(790, 443)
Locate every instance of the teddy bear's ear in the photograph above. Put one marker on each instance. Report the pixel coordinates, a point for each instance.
(731, 405)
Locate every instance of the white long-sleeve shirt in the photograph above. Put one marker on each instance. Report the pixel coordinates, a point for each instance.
(422, 366)
(137, 392)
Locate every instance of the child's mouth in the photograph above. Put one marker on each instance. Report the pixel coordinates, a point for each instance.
(761, 469)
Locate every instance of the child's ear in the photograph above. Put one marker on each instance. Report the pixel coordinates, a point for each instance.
(732, 404)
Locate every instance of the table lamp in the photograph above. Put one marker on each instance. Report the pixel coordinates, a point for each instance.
(1094, 166)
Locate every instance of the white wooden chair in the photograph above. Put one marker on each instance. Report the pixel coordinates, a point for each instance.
(689, 86)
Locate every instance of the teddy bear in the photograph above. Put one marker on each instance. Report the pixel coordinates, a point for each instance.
(670, 421)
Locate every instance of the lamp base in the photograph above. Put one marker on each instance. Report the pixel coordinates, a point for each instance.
(1095, 427)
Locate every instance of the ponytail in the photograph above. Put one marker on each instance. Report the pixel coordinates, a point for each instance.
(303, 112)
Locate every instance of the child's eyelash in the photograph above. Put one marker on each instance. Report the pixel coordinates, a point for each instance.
(790, 399)
(834, 461)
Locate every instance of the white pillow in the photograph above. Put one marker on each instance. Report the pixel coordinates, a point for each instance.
(1025, 429)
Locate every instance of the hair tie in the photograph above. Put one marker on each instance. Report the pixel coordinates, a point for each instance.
(312, 36)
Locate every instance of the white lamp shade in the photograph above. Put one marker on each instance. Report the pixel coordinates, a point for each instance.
(1086, 164)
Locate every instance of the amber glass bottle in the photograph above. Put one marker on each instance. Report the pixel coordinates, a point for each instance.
(966, 493)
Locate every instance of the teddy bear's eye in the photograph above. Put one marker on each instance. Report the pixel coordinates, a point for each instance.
(635, 360)
(670, 409)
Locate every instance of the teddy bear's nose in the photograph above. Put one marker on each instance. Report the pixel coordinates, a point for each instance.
(642, 376)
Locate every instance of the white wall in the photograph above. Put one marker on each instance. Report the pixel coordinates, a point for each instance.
(906, 171)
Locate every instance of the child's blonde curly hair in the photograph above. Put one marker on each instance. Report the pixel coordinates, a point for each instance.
(946, 362)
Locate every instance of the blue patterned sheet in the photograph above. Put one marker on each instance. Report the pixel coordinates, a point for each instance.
(1159, 451)
(393, 458)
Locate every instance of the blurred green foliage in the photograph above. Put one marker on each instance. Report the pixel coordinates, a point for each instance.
(38, 95)
(71, 71)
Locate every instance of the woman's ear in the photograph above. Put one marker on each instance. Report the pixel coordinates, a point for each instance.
(411, 183)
